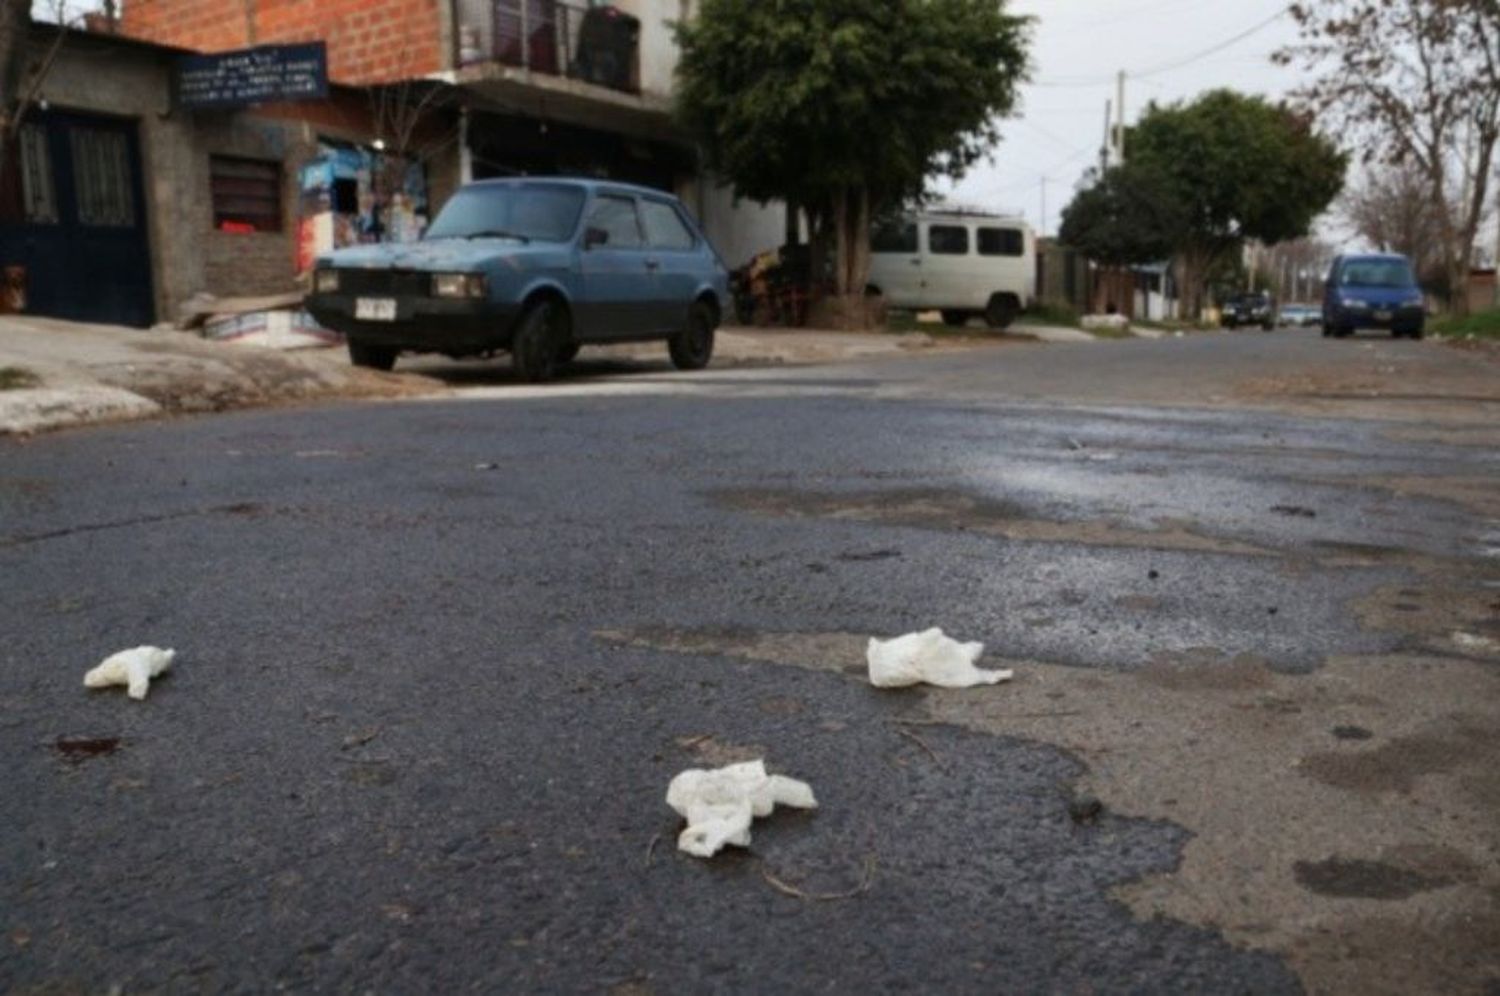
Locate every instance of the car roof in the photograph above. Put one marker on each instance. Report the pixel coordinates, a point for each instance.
(586, 182)
(1355, 257)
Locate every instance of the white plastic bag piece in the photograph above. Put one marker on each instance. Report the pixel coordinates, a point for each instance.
(931, 657)
(134, 667)
(719, 804)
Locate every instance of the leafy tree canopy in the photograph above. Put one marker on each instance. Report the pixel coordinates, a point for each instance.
(1242, 167)
(792, 98)
(1129, 215)
(1200, 179)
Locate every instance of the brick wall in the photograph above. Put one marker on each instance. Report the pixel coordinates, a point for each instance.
(369, 41)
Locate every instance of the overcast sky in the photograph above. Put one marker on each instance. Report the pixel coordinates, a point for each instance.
(1170, 49)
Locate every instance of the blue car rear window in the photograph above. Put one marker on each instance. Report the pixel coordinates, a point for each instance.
(540, 212)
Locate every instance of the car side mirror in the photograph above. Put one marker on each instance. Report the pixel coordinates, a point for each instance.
(594, 237)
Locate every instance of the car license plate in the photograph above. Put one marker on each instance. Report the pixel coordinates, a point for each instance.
(1382, 316)
(375, 309)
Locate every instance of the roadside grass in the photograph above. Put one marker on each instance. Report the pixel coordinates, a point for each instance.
(17, 378)
(1480, 325)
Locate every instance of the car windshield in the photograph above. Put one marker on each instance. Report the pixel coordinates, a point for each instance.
(544, 212)
(1378, 273)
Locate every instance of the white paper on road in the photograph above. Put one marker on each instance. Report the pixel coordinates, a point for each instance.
(134, 667)
(719, 804)
(931, 657)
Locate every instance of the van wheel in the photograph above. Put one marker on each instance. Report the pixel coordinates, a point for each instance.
(1001, 311)
(372, 357)
(957, 319)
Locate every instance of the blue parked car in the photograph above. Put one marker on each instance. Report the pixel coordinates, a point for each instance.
(1372, 292)
(538, 267)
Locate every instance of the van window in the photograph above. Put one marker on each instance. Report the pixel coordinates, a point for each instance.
(1001, 242)
(894, 236)
(948, 240)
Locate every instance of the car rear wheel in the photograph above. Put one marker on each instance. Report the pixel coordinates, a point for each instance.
(693, 347)
(567, 352)
(534, 347)
(373, 357)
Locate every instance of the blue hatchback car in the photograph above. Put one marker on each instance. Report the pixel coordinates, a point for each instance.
(1373, 292)
(538, 267)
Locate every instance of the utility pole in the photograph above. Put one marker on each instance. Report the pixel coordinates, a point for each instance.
(1043, 232)
(1109, 144)
(1120, 116)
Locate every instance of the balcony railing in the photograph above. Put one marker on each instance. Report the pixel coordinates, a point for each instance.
(599, 45)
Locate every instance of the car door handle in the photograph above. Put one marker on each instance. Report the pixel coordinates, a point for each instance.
(916, 262)
(652, 264)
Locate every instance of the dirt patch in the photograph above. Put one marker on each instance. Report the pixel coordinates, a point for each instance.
(1397, 764)
(952, 511)
(1242, 757)
(1452, 618)
(1358, 879)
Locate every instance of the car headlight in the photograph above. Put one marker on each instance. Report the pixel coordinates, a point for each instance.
(1352, 302)
(458, 285)
(1415, 301)
(326, 281)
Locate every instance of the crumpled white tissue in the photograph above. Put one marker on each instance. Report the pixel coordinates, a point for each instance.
(719, 804)
(134, 667)
(931, 657)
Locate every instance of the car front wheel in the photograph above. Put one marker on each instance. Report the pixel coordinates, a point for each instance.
(534, 347)
(372, 357)
(693, 347)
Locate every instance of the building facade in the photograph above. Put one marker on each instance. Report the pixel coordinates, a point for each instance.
(537, 86)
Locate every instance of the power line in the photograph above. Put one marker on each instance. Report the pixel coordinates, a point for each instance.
(1168, 67)
(1074, 82)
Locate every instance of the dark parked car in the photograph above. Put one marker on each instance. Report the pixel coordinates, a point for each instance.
(1373, 292)
(538, 267)
(1250, 309)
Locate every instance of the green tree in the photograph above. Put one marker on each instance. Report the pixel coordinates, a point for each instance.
(1240, 168)
(1128, 215)
(846, 107)
(1413, 81)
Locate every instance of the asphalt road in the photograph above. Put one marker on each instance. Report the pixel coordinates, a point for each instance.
(437, 662)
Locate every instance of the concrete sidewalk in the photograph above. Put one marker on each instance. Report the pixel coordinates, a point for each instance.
(74, 374)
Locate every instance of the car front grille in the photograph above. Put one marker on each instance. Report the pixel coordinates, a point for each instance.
(391, 283)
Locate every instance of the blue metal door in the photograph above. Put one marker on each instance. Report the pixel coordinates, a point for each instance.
(73, 215)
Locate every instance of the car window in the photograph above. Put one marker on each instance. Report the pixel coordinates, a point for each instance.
(1001, 242)
(894, 236)
(1377, 273)
(948, 240)
(665, 228)
(615, 216)
(546, 212)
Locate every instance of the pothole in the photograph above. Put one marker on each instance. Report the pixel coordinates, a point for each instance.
(1242, 757)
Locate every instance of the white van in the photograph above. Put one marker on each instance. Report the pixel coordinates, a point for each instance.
(959, 263)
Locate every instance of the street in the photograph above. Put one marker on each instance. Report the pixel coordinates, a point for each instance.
(438, 660)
